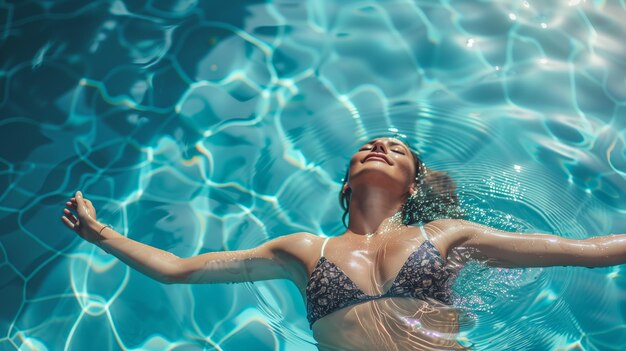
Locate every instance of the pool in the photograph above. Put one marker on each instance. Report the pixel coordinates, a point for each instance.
(202, 126)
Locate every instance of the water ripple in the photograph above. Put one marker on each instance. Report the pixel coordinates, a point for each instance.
(201, 126)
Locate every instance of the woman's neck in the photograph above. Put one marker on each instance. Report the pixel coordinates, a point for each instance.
(372, 208)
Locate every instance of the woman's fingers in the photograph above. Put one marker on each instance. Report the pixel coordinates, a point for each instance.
(70, 216)
(79, 198)
(68, 223)
(72, 203)
(86, 202)
(77, 215)
(82, 209)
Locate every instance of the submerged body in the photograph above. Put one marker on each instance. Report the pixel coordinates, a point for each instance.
(389, 324)
(400, 298)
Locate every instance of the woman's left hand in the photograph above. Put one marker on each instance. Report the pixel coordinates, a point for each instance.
(85, 222)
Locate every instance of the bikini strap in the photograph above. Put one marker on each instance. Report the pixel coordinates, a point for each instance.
(423, 232)
(324, 246)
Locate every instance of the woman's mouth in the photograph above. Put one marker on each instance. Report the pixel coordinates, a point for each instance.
(377, 157)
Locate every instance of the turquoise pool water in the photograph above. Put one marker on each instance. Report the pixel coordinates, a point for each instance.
(200, 126)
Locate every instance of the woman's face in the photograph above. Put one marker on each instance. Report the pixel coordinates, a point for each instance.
(385, 162)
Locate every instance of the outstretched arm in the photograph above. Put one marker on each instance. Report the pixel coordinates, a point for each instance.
(272, 260)
(505, 249)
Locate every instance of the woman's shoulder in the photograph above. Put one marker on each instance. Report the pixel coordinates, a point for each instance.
(301, 248)
(297, 244)
(448, 223)
(301, 238)
(447, 233)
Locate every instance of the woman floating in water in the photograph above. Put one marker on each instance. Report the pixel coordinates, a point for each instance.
(385, 283)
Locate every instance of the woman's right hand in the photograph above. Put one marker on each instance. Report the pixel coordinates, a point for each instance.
(84, 221)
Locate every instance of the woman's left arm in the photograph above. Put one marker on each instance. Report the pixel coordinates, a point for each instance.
(505, 249)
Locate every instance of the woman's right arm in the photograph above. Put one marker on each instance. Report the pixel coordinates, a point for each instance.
(271, 260)
(275, 259)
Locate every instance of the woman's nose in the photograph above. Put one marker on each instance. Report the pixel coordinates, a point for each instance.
(379, 146)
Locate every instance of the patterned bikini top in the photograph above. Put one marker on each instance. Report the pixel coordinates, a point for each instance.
(424, 274)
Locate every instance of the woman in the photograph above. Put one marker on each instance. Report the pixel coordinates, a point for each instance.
(383, 284)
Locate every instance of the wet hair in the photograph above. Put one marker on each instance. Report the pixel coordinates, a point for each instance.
(435, 197)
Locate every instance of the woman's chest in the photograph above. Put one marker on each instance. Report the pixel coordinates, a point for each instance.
(371, 267)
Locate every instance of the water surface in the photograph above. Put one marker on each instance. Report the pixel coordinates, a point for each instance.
(200, 126)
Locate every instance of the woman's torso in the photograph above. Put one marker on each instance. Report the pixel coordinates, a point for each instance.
(371, 266)
(389, 324)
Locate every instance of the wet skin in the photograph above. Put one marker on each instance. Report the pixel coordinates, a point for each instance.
(386, 323)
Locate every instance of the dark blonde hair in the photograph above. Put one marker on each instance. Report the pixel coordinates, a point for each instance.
(435, 198)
